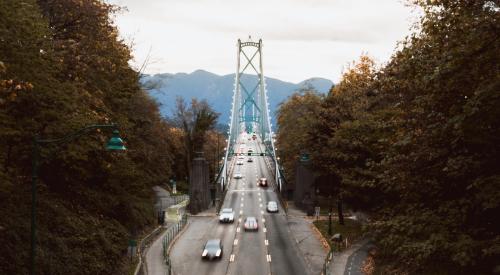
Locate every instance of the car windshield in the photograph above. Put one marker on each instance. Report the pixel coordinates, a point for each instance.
(227, 210)
(212, 244)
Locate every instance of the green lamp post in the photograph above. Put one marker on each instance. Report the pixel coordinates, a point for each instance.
(115, 143)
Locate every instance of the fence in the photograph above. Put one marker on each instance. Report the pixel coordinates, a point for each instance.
(169, 237)
(141, 267)
(178, 199)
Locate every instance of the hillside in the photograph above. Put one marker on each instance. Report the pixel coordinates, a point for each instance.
(218, 90)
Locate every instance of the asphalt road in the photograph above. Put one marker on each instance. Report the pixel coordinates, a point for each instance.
(270, 250)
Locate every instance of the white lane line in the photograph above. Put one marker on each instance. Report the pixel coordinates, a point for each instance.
(265, 230)
(242, 199)
(241, 212)
(260, 205)
(241, 205)
(266, 242)
(258, 193)
(235, 242)
(231, 259)
(237, 229)
(263, 220)
(262, 212)
(268, 258)
(260, 199)
(239, 220)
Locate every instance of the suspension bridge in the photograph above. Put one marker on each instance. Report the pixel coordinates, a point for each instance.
(250, 157)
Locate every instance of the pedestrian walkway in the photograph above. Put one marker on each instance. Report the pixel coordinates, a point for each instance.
(155, 264)
(308, 239)
(350, 261)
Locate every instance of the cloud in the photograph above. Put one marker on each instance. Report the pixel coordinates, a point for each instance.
(193, 34)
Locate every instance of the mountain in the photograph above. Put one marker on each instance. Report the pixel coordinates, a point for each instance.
(218, 90)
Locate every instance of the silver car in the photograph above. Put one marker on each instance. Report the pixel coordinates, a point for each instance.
(212, 250)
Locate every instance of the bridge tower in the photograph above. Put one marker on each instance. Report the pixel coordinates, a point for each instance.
(250, 107)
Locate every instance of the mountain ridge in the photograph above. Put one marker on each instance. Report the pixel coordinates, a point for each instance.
(218, 89)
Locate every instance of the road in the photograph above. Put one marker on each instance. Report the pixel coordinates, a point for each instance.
(270, 250)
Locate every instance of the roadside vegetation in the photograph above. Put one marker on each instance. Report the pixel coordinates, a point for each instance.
(63, 66)
(414, 143)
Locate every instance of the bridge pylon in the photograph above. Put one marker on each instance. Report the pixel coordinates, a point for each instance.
(250, 108)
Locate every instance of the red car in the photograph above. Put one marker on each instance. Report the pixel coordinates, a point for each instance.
(251, 224)
(262, 182)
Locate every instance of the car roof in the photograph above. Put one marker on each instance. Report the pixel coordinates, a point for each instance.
(272, 202)
(227, 210)
(251, 219)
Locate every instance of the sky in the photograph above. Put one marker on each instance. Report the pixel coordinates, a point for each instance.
(301, 38)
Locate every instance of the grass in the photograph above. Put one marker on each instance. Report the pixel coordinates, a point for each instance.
(351, 230)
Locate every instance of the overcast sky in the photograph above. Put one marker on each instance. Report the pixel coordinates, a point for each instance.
(302, 38)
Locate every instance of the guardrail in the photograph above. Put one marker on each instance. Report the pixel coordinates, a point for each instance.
(169, 237)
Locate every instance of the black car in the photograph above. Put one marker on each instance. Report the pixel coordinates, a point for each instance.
(212, 250)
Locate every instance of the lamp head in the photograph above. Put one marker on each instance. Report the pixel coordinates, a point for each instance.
(115, 142)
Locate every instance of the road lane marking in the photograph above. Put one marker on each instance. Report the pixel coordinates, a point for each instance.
(260, 205)
(241, 212)
(268, 258)
(262, 212)
(235, 242)
(263, 220)
(266, 242)
(265, 230)
(258, 193)
(260, 199)
(237, 229)
(231, 259)
(241, 205)
(242, 198)
(239, 220)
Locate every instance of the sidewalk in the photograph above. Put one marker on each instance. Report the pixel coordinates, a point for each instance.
(350, 261)
(308, 239)
(155, 264)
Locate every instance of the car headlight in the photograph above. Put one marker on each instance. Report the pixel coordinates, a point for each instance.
(205, 252)
(218, 253)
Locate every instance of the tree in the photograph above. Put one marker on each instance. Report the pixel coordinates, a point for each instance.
(195, 120)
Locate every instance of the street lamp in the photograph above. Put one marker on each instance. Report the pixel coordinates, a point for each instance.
(115, 143)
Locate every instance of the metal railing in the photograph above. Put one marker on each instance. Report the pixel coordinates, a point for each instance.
(141, 267)
(169, 237)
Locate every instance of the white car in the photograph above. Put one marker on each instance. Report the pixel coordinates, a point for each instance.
(226, 215)
(238, 176)
(272, 207)
(239, 162)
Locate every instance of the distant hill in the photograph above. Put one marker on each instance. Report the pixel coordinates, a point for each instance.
(218, 90)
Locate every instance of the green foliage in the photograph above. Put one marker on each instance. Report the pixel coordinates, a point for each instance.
(294, 118)
(416, 142)
(62, 67)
